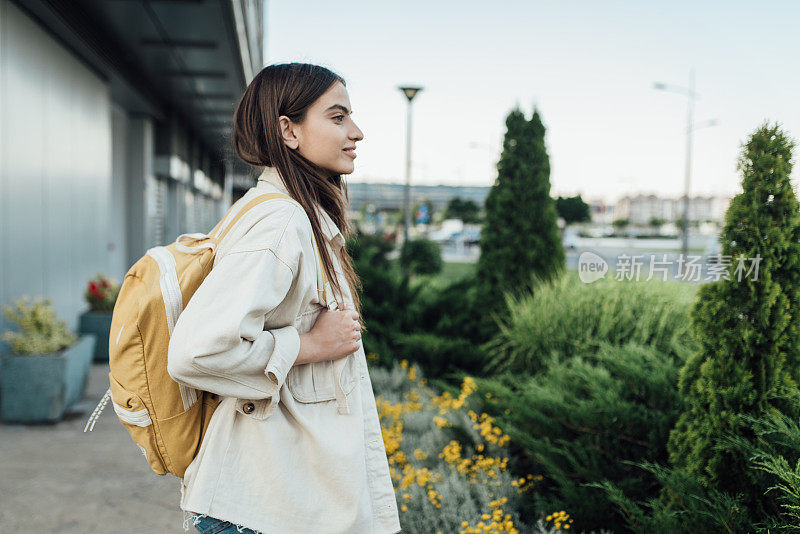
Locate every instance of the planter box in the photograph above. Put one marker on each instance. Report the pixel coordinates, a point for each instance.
(40, 388)
(97, 323)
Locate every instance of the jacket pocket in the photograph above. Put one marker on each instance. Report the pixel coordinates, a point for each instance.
(314, 381)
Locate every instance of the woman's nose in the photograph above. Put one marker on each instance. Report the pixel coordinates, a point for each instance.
(357, 134)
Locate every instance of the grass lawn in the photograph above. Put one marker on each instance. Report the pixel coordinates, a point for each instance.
(451, 271)
(454, 270)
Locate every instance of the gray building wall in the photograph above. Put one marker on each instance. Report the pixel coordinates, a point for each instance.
(91, 177)
(55, 168)
(104, 151)
(119, 255)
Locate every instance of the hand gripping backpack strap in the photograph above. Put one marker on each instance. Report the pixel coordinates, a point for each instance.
(338, 365)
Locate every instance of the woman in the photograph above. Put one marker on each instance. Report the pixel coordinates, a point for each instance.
(295, 444)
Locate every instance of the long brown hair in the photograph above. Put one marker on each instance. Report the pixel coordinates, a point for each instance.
(290, 89)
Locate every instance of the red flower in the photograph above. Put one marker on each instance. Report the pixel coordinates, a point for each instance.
(92, 287)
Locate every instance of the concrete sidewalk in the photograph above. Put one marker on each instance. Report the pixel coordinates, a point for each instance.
(58, 479)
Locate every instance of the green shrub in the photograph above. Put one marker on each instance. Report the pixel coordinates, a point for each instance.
(440, 326)
(439, 355)
(583, 416)
(421, 256)
(683, 505)
(734, 449)
(686, 506)
(40, 332)
(566, 317)
(388, 298)
(370, 249)
(456, 310)
(777, 454)
(519, 236)
(748, 328)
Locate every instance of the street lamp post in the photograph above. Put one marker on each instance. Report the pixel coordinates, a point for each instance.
(690, 127)
(410, 93)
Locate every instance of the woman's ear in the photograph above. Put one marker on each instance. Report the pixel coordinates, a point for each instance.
(287, 132)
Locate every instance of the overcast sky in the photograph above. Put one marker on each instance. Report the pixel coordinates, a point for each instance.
(588, 66)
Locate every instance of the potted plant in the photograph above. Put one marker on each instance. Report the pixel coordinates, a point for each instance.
(47, 368)
(101, 294)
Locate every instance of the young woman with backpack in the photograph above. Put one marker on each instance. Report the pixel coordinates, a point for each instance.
(295, 444)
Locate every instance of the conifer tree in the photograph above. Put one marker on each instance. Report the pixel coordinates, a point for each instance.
(747, 326)
(519, 237)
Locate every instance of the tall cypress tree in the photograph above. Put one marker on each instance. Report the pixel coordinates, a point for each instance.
(519, 237)
(748, 329)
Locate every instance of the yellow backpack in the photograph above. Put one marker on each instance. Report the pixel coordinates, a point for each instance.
(165, 419)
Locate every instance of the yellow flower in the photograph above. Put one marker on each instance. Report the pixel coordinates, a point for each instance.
(441, 421)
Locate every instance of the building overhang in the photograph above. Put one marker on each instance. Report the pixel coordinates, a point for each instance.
(190, 58)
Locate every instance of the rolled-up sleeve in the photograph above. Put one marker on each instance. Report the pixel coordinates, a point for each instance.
(219, 343)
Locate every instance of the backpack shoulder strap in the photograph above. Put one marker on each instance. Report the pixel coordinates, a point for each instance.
(250, 205)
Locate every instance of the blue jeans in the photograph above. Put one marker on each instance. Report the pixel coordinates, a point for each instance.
(210, 525)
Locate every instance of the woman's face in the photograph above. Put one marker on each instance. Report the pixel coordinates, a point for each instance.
(327, 136)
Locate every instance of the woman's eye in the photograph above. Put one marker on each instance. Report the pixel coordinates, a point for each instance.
(339, 117)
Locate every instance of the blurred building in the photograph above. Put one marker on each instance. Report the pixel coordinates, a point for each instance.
(600, 211)
(641, 209)
(114, 127)
(389, 196)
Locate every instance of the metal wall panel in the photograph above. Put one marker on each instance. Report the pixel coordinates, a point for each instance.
(157, 192)
(55, 166)
(118, 257)
(189, 212)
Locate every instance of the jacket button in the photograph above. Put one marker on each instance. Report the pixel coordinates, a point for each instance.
(249, 407)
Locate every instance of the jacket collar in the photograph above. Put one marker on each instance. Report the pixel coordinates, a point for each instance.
(270, 176)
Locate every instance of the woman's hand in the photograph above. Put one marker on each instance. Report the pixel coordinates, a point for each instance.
(336, 333)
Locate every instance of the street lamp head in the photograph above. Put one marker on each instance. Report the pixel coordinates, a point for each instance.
(410, 92)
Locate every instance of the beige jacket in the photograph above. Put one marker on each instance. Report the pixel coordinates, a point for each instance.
(291, 448)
